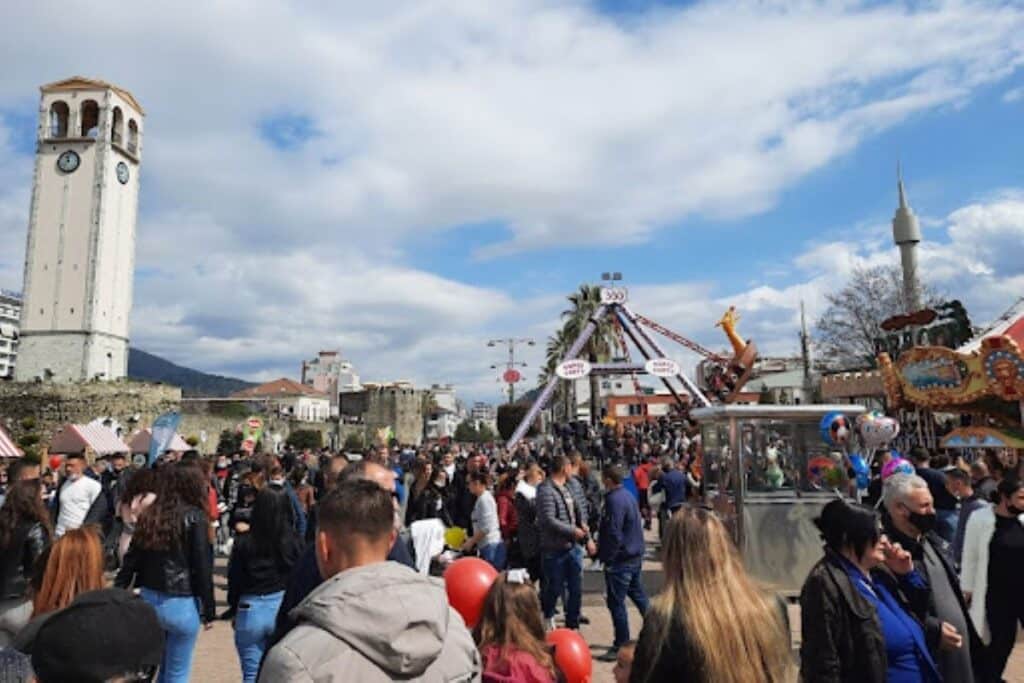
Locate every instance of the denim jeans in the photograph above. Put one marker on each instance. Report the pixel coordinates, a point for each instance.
(179, 618)
(495, 554)
(254, 625)
(563, 570)
(621, 580)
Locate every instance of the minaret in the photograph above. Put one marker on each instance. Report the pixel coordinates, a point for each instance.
(907, 233)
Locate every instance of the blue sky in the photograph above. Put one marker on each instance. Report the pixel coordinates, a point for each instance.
(404, 181)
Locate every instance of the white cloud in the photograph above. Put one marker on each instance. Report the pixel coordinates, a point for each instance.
(1013, 95)
(566, 125)
(976, 259)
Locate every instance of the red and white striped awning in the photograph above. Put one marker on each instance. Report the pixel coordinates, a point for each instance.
(8, 449)
(76, 438)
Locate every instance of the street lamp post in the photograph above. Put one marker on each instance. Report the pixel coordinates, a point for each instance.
(511, 375)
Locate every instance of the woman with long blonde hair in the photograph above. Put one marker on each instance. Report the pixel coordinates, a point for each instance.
(72, 565)
(710, 622)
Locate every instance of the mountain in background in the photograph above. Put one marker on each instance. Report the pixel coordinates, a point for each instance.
(146, 366)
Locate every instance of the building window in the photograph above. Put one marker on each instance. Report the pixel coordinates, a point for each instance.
(133, 136)
(90, 116)
(59, 113)
(117, 129)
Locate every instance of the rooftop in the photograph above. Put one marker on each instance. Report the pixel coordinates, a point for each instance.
(279, 388)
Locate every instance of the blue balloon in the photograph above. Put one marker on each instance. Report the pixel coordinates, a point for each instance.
(860, 470)
(835, 429)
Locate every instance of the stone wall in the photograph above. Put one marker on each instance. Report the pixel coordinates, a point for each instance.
(213, 417)
(131, 404)
(400, 408)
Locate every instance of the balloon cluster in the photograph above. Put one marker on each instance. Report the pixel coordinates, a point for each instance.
(467, 582)
(876, 430)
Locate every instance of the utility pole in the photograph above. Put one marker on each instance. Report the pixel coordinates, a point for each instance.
(511, 374)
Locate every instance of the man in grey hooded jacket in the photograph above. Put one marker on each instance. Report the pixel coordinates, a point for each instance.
(372, 620)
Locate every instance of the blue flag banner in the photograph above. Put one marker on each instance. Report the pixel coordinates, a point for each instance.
(162, 433)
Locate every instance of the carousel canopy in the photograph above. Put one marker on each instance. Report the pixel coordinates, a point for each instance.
(140, 442)
(8, 449)
(983, 437)
(78, 438)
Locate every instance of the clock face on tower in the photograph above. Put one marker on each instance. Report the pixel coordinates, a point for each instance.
(122, 172)
(68, 161)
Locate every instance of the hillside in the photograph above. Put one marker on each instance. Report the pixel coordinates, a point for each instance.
(146, 366)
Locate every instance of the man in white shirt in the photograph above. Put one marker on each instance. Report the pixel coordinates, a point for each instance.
(77, 494)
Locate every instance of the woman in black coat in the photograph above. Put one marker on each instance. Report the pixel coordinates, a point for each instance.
(862, 605)
(24, 534)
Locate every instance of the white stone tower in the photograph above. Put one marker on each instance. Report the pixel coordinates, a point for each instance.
(907, 234)
(80, 257)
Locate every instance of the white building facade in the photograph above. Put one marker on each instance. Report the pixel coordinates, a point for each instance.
(331, 374)
(80, 255)
(10, 323)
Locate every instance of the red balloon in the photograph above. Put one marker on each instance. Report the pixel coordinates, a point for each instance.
(467, 581)
(572, 655)
(55, 461)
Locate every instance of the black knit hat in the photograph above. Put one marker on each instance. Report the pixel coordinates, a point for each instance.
(102, 634)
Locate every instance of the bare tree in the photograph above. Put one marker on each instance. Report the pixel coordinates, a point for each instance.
(847, 330)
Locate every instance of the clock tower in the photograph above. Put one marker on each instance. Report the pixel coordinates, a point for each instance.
(80, 256)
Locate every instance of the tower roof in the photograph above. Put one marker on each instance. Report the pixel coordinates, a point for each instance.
(905, 229)
(83, 83)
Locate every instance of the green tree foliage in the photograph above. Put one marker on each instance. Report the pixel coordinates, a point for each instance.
(509, 417)
(229, 442)
(599, 347)
(354, 442)
(485, 434)
(302, 439)
(467, 432)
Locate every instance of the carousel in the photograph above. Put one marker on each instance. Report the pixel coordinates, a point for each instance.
(983, 379)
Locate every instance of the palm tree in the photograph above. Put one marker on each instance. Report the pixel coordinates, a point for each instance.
(601, 343)
(554, 353)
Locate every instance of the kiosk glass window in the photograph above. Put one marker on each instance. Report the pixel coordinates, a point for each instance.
(716, 462)
(769, 457)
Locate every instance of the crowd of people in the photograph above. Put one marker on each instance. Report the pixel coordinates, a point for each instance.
(333, 562)
(923, 585)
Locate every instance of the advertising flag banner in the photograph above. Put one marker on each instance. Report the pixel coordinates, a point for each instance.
(163, 431)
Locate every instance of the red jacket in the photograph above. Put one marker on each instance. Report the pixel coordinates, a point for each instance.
(508, 519)
(515, 667)
(642, 476)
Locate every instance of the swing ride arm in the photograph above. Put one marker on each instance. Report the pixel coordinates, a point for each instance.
(680, 339)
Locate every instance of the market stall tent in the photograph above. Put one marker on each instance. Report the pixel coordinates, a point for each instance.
(93, 437)
(8, 449)
(140, 441)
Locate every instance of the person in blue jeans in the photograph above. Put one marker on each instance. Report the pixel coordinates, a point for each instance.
(620, 548)
(168, 560)
(562, 528)
(258, 571)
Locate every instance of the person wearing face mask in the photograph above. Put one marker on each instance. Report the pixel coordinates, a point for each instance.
(992, 561)
(910, 520)
(958, 483)
(861, 605)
